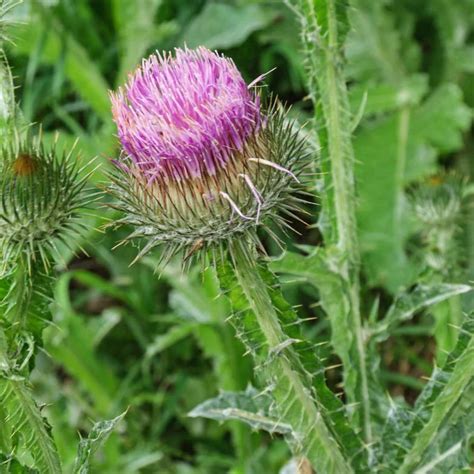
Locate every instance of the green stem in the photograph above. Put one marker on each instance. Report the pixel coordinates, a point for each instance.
(22, 294)
(448, 318)
(7, 98)
(291, 384)
(403, 130)
(325, 46)
(340, 148)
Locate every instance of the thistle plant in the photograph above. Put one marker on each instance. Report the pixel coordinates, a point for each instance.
(438, 205)
(41, 200)
(42, 194)
(205, 163)
(42, 197)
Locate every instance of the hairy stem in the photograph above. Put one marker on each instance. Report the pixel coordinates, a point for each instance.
(339, 145)
(282, 369)
(7, 98)
(22, 290)
(323, 43)
(403, 131)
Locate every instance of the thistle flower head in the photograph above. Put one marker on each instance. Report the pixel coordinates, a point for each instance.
(202, 159)
(40, 198)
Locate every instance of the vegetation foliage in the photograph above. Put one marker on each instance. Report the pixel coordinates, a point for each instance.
(351, 348)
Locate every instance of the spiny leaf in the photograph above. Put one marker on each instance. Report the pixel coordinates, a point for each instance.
(28, 432)
(250, 407)
(438, 410)
(392, 414)
(450, 452)
(89, 446)
(407, 304)
(461, 376)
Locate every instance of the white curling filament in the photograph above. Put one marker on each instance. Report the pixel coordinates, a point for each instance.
(254, 190)
(234, 206)
(275, 166)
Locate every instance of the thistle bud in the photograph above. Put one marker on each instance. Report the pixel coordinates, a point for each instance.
(438, 206)
(40, 197)
(203, 160)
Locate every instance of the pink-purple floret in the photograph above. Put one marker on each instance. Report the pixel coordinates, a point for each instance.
(185, 116)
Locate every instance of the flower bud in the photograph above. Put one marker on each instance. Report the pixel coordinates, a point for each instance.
(40, 197)
(438, 207)
(203, 161)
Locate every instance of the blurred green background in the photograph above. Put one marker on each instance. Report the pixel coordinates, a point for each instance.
(121, 337)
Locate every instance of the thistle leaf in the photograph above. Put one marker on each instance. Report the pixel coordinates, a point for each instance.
(407, 304)
(451, 451)
(461, 375)
(392, 415)
(27, 432)
(440, 417)
(250, 407)
(89, 446)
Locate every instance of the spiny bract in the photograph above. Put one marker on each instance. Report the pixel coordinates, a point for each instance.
(203, 160)
(40, 198)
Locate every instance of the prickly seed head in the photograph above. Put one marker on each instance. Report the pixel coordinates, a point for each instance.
(202, 159)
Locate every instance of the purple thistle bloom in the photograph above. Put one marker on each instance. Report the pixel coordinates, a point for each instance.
(185, 116)
(203, 160)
